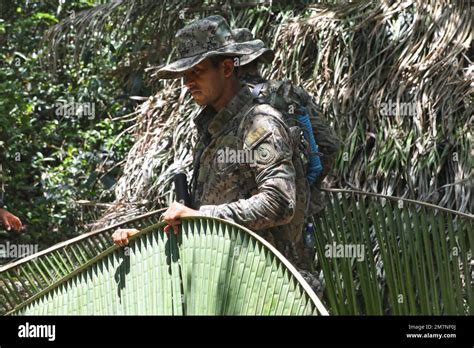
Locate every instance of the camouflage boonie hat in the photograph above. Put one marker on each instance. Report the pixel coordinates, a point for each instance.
(265, 54)
(204, 38)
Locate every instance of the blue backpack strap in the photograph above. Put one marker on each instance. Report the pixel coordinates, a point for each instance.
(256, 90)
(315, 167)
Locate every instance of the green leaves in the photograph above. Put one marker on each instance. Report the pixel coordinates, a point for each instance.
(46, 157)
(416, 258)
(47, 16)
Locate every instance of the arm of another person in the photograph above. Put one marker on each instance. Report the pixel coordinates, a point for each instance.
(10, 221)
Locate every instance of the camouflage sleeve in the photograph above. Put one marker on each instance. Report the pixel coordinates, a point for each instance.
(266, 135)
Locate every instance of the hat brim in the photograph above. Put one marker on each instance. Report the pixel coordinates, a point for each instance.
(177, 68)
(266, 55)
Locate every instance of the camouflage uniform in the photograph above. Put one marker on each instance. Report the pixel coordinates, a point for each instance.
(268, 198)
(325, 137)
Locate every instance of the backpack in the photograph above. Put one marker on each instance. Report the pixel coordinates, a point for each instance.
(312, 137)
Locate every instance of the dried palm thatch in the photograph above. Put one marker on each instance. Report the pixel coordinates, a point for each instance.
(393, 77)
(163, 148)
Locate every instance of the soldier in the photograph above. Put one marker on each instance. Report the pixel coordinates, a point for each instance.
(260, 194)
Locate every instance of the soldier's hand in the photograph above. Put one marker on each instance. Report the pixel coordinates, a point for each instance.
(10, 221)
(121, 236)
(173, 213)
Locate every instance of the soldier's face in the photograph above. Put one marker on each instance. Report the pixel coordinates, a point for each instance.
(206, 82)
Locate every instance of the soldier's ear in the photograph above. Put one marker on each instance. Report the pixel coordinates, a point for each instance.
(228, 67)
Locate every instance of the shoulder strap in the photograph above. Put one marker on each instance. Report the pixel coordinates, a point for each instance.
(256, 90)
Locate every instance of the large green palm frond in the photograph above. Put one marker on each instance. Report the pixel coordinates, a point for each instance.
(416, 258)
(213, 268)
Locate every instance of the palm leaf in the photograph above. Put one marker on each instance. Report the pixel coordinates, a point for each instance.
(27, 277)
(417, 257)
(214, 268)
